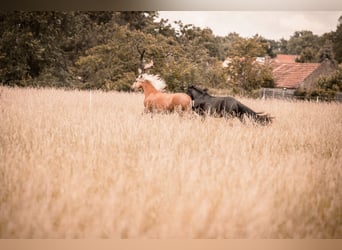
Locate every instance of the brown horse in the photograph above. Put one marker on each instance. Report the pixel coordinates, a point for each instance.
(155, 100)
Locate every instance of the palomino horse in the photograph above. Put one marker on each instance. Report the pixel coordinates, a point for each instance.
(155, 100)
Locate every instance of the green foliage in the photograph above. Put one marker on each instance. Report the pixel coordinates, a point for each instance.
(23, 45)
(301, 40)
(137, 20)
(307, 55)
(117, 61)
(306, 45)
(36, 43)
(326, 87)
(327, 52)
(311, 48)
(337, 41)
(332, 82)
(282, 47)
(245, 74)
(250, 47)
(106, 65)
(313, 94)
(98, 50)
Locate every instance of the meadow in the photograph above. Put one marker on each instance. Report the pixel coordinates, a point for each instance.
(80, 164)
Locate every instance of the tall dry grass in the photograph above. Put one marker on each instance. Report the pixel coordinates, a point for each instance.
(75, 164)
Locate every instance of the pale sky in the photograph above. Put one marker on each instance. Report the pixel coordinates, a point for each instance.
(269, 24)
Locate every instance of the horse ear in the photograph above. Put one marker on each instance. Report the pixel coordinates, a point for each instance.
(139, 71)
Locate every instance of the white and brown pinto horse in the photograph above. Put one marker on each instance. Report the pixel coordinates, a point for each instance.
(156, 100)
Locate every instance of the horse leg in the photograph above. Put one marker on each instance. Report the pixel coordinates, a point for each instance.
(182, 110)
(148, 111)
(241, 118)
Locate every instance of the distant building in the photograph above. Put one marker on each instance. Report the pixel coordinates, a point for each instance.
(290, 74)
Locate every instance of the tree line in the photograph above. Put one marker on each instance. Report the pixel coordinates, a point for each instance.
(99, 50)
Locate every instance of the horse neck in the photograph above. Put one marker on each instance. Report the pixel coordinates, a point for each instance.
(148, 88)
(199, 94)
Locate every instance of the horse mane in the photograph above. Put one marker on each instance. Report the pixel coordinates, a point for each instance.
(157, 82)
(202, 91)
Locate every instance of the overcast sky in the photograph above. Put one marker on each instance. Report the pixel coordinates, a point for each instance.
(269, 24)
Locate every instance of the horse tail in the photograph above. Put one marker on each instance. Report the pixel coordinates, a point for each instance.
(263, 119)
(259, 117)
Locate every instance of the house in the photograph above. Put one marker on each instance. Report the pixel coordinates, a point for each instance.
(290, 74)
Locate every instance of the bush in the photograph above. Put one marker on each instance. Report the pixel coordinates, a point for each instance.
(332, 82)
(315, 93)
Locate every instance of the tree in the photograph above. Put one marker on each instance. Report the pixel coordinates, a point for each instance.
(29, 44)
(137, 20)
(307, 54)
(337, 41)
(39, 48)
(305, 44)
(282, 46)
(245, 74)
(332, 82)
(326, 52)
(114, 65)
(250, 47)
(272, 48)
(104, 65)
(165, 29)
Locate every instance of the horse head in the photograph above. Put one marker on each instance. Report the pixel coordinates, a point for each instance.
(138, 83)
(148, 79)
(194, 91)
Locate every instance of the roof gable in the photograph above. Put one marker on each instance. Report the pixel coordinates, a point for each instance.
(291, 75)
(288, 73)
(281, 58)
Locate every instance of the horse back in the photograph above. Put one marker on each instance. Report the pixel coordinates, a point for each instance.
(216, 105)
(181, 99)
(166, 101)
(159, 101)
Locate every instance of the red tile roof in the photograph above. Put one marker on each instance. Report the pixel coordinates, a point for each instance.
(291, 75)
(285, 58)
(287, 73)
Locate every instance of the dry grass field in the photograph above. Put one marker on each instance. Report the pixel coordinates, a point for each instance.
(75, 165)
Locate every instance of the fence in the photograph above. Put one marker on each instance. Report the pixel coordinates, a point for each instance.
(290, 94)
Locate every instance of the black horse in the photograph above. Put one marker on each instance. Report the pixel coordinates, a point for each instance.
(205, 104)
